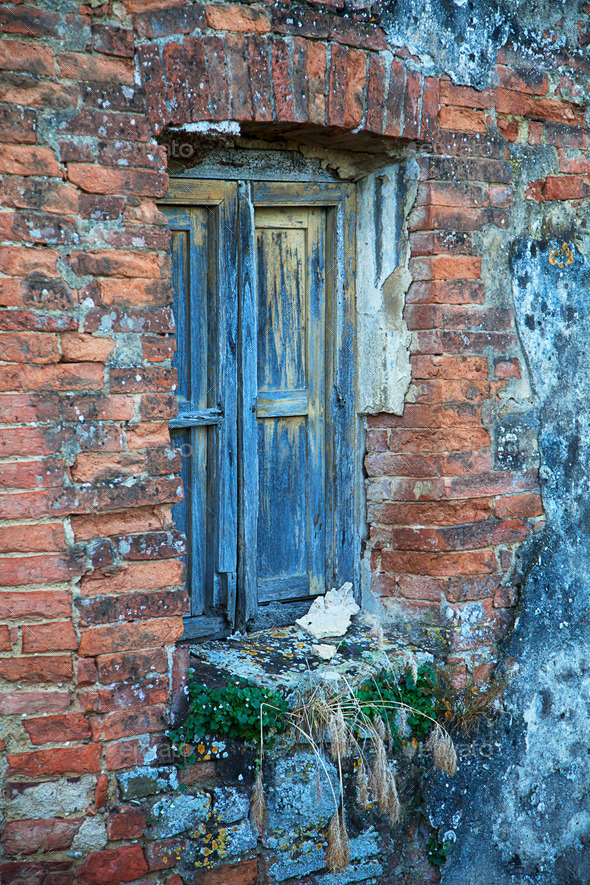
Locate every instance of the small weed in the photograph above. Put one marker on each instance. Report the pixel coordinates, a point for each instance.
(239, 710)
(437, 851)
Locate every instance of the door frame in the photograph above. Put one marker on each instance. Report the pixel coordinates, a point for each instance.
(343, 484)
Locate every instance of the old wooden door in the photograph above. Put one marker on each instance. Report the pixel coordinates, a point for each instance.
(266, 420)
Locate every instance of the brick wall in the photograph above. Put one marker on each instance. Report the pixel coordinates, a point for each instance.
(90, 558)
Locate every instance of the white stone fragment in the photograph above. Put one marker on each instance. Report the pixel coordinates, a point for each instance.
(330, 615)
(325, 652)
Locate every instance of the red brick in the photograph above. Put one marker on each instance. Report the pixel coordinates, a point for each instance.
(55, 636)
(447, 193)
(430, 108)
(75, 376)
(164, 854)
(18, 126)
(17, 56)
(456, 439)
(111, 40)
(491, 484)
(395, 99)
(197, 78)
(80, 66)
(509, 129)
(474, 562)
(128, 723)
(449, 367)
(126, 822)
(566, 188)
(94, 526)
(391, 464)
(31, 702)
(232, 17)
(83, 759)
(299, 68)
(462, 119)
(244, 873)
(524, 506)
(533, 81)
(32, 475)
(154, 84)
(377, 80)
(463, 537)
(32, 92)
(28, 160)
(29, 21)
(156, 21)
(96, 407)
(121, 637)
(22, 347)
(466, 96)
(101, 791)
(159, 349)
(113, 866)
(98, 180)
(122, 754)
(506, 368)
(445, 292)
(38, 569)
(316, 83)
(90, 467)
(29, 836)
(35, 669)
(219, 98)
(522, 105)
(339, 62)
(420, 587)
(77, 347)
(282, 80)
(131, 665)
(5, 643)
(176, 81)
(356, 84)
(40, 538)
(445, 267)
(49, 196)
(86, 673)
(455, 219)
(58, 729)
(411, 107)
(153, 321)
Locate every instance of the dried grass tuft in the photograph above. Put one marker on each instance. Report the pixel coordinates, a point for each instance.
(338, 851)
(257, 801)
(443, 750)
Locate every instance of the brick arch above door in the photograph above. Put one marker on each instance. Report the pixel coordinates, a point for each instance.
(291, 82)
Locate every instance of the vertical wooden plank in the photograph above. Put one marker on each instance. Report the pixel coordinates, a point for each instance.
(343, 410)
(226, 257)
(316, 385)
(248, 450)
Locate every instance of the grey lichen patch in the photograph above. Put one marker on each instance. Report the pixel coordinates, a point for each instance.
(172, 815)
(146, 781)
(37, 801)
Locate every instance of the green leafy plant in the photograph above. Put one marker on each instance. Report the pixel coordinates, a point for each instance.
(414, 690)
(238, 710)
(437, 851)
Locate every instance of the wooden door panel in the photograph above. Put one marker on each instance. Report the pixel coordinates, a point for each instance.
(290, 402)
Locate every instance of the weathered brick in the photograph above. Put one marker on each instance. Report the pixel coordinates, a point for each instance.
(77, 348)
(474, 562)
(136, 520)
(176, 81)
(97, 180)
(32, 702)
(24, 538)
(55, 636)
(36, 669)
(112, 40)
(32, 475)
(29, 21)
(233, 17)
(41, 568)
(28, 160)
(81, 759)
(17, 56)
(83, 66)
(123, 637)
(18, 125)
(127, 723)
(219, 96)
(165, 854)
(282, 80)
(58, 729)
(29, 836)
(122, 864)
(525, 506)
(126, 822)
(244, 873)
(22, 347)
(131, 665)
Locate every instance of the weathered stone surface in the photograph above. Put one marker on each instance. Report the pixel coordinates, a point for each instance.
(175, 814)
(146, 781)
(42, 800)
